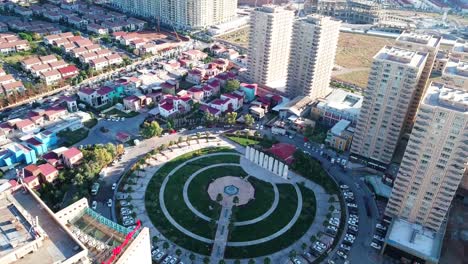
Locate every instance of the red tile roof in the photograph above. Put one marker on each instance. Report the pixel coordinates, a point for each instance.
(105, 90)
(68, 69)
(71, 152)
(47, 169)
(283, 151)
(87, 91)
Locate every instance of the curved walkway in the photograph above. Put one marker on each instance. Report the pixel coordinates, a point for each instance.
(277, 233)
(189, 180)
(207, 218)
(163, 205)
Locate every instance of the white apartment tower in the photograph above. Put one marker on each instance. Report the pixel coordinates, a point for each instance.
(393, 79)
(312, 57)
(269, 45)
(184, 14)
(435, 158)
(424, 43)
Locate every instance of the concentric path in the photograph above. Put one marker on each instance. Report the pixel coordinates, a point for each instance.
(208, 240)
(240, 223)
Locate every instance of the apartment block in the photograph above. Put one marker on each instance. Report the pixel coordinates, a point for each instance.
(460, 50)
(435, 159)
(269, 45)
(393, 80)
(423, 43)
(455, 73)
(312, 57)
(194, 14)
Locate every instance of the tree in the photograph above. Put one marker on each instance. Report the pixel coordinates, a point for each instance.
(178, 252)
(206, 260)
(180, 140)
(235, 200)
(221, 261)
(209, 118)
(237, 261)
(150, 130)
(166, 245)
(251, 261)
(219, 197)
(192, 257)
(120, 149)
(249, 120)
(304, 246)
(266, 260)
(126, 61)
(292, 254)
(232, 85)
(231, 118)
(25, 36)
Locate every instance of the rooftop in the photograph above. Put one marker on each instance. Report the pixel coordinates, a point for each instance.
(420, 39)
(339, 127)
(343, 101)
(457, 68)
(18, 211)
(401, 56)
(446, 97)
(415, 239)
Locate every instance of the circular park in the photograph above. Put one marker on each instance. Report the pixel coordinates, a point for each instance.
(214, 202)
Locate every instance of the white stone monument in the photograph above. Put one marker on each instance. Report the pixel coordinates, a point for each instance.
(285, 171)
(247, 152)
(270, 163)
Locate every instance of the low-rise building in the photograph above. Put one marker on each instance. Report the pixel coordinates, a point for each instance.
(455, 73)
(99, 63)
(69, 71)
(72, 157)
(51, 77)
(48, 173)
(171, 105)
(340, 135)
(338, 105)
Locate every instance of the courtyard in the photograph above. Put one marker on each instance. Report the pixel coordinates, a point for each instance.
(208, 199)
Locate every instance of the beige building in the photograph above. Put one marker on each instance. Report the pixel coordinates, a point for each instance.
(269, 45)
(192, 14)
(393, 79)
(312, 57)
(349, 11)
(460, 50)
(456, 73)
(435, 158)
(423, 43)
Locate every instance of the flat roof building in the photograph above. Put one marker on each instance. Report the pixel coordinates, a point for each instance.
(435, 159)
(393, 79)
(412, 242)
(430, 45)
(269, 45)
(312, 57)
(340, 104)
(31, 232)
(456, 73)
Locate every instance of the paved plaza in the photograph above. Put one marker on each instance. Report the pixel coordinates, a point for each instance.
(229, 187)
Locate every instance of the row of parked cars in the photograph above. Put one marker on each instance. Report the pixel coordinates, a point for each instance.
(353, 223)
(126, 213)
(379, 236)
(160, 256)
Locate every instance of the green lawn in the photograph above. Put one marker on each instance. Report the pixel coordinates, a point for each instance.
(73, 137)
(91, 123)
(197, 190)
(278, 219)
(264, 197)
(117, 113)
(243, 141)
(155, 213)
(175, 202)
(185, 85)
(292, 235)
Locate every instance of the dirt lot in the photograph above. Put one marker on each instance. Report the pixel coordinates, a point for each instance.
(149, 35)
(239, 37)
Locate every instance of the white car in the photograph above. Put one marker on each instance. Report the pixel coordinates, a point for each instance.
(344, 187)
(376, 246)
(345, 247)
(109, 203)
(114, 185)
(382, 227)
(378, 238)
(94, 205)
(261, 127)
(341, 254)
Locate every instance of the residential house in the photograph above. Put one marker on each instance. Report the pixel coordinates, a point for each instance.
(114, 59)
(103, 53)
(31, 170)
(222, 105)
(69, 71)
(250, 91)
(340, 135)
(25, 126)
(169, 87)
(77, 22)
(195, 76)
(37, 70)
(236, 100)
(58, 64)
(28, 63)
(137, 43)
(135, 102)
(87, 57)
(48, 59)
(171, 105)
(230, 54)
(211, 110)
(17, 153)
(77, 51)
(48, 173)
(195, 54)
(72, 157)
(97, 29)
(149, 48)
(99, 63)
(51, 77)
(102, 96)
(32, 182)
(16, 86)
(54, 113)
(197, 94)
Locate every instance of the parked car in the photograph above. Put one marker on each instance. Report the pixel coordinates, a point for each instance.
(341, 254)
(109, 203)
(114, 185)
(94, 205)
(345, 247)
(378, 238)
(376, 246)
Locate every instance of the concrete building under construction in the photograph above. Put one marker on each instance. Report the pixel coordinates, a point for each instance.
(348, 11)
